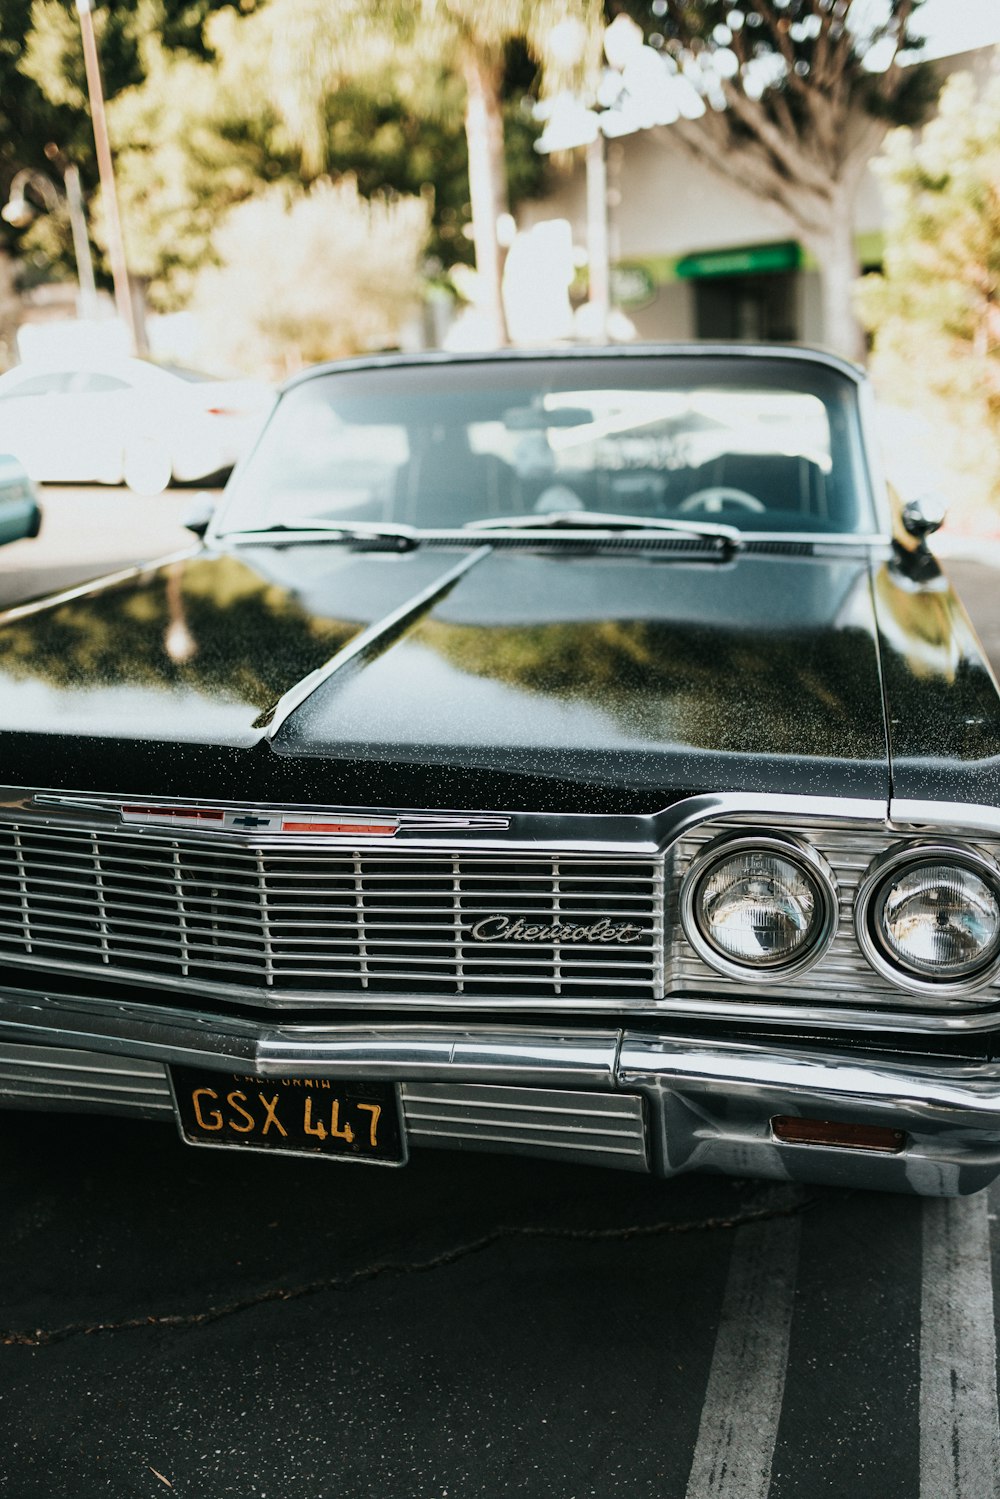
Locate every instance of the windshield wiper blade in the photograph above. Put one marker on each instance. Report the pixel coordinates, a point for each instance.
(322, 530)
(597, 520)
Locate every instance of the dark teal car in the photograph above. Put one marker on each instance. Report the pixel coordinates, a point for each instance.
(20, 513)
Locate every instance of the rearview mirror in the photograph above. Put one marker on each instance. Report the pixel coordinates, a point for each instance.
(20, 512)
(539, 419)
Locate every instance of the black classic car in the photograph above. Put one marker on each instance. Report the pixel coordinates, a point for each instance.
(563, 753)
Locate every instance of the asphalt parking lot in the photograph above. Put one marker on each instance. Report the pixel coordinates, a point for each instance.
(89, 531)
(192, 1322)
(185, 1321)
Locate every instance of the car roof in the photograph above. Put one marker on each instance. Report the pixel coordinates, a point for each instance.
(801, 353)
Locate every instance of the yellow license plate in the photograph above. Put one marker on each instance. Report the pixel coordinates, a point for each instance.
(355, 1121)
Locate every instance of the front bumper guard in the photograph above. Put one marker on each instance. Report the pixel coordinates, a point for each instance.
(708, 1103)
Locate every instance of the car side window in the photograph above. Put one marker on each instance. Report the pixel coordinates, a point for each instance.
(87, 382)
(41, 385)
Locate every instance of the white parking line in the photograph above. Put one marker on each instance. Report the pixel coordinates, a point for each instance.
(739, 1419)
(959, 1430)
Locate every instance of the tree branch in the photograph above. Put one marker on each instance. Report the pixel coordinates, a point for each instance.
(754, 117)
(752, 172)
(889, 85)
(765, 9)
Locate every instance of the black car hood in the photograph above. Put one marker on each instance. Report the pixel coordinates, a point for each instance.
(533, 680)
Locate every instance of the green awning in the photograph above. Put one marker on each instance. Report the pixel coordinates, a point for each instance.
(743, 260)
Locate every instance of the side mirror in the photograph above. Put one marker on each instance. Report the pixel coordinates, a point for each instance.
(199, 517)
(20, 512)
(924, 515)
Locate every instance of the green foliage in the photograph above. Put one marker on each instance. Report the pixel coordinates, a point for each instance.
(210, 124)
(309, 276)
(312, 48)
(781, 51)
(194, 150)
(28, 118)
(212, 102)
(935, 310)
(43, 92)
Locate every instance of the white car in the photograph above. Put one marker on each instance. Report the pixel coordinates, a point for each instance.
(127, 421)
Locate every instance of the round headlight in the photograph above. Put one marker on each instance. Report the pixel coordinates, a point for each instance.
(931, 917)
(759, 908)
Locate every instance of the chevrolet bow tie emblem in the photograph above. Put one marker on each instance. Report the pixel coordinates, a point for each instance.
(266, 822)
(217, 819)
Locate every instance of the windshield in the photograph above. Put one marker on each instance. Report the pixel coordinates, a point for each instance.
(765, 445)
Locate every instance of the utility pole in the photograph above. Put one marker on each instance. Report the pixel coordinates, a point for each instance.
(116, 244)
(598, 259)
(81, 244)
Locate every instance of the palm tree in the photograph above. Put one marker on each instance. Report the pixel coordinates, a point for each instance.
(312, 46)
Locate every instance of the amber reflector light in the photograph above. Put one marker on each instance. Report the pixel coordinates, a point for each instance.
(834, 1132)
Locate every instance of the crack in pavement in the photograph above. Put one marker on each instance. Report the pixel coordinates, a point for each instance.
(41, 1337)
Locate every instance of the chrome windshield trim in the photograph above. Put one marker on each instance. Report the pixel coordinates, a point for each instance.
(745, 353)
(822, 538)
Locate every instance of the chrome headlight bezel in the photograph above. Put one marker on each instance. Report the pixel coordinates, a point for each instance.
(810, 863)
(869, 903)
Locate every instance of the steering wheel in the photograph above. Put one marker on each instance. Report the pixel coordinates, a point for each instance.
(712, 501)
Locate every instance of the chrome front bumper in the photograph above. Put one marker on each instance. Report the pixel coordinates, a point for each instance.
(661, 1103)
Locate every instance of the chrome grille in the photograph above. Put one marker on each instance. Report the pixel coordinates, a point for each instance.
(58, 1077)
(601, 1128)
(308, 923)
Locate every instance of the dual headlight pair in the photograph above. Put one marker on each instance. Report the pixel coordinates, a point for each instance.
(765, 908)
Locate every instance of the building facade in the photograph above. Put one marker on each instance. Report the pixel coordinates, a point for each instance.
(695, 256)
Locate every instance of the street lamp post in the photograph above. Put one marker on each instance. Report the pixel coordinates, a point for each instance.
(116, 243)
(19, 212)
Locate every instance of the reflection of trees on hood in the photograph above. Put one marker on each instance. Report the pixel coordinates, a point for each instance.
(733, 689)
(244, 640)
(940, 691)
(920, 623)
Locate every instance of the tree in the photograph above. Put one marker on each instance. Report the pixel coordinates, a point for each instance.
(28, 118)
(198, 136)
(309, 276)
(799, 97)
(935, 309)
(43, 95)
(314, 47)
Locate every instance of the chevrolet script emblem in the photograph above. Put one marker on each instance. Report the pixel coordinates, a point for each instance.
(516, 929)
